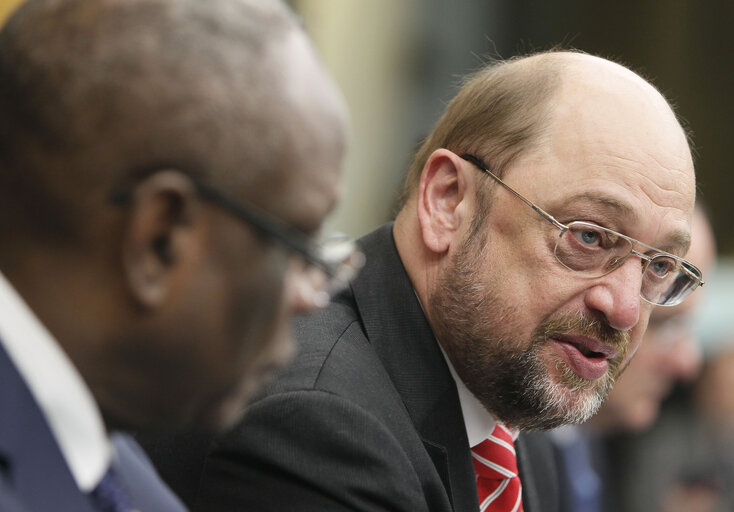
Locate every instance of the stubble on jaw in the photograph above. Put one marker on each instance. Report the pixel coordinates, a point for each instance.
(517, 381)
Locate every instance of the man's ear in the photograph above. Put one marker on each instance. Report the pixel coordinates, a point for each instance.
(161, 240)
(442, 194)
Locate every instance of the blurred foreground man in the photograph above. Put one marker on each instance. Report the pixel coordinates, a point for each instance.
(544, 216)
(669, 354)
(163, 166)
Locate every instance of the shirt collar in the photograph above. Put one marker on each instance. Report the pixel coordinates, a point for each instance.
(65, 401)
(478, 421)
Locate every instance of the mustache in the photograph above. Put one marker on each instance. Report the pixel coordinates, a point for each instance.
(578, 323)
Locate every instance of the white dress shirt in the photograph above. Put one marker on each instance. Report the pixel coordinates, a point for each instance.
(478, 421)
(63, 397)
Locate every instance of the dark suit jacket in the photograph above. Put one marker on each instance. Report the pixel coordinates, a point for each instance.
(367, 418)
(34, 476)
(580, 481)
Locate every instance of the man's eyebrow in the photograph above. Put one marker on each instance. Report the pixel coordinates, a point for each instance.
(622, 207)
(678, 243)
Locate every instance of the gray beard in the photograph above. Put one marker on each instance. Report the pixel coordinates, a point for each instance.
(512, 382)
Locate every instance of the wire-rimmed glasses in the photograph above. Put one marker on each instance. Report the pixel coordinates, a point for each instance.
(595, 251)
(335, 259)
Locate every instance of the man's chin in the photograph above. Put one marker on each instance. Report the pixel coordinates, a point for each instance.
(640, 416)
(229, 408)
(224, 417)
(561, 403)
(577, 405)
(224, 412)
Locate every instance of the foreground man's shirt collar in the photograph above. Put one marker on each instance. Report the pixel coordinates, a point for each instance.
(62, 395)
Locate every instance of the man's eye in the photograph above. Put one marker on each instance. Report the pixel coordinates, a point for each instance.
(589, 237)
(662, 266)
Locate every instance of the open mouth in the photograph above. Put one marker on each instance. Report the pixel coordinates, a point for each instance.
(586, 357)
(586, 351)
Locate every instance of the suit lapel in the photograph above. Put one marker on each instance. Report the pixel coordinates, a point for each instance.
(139, 478)
(529, 496)
(9, 500)
(397, 329)
(537, 472)
(36, 469)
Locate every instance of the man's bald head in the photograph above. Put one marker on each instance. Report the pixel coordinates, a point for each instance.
(93, 95)
(506, 109)
(163, 166)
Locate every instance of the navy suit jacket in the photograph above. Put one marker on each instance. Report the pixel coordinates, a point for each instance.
(34, 476)
(366, 418)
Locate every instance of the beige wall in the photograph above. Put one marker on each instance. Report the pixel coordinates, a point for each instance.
(6, 7)
(365, 45)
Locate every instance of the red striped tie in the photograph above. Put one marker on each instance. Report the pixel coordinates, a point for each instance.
(495, 464)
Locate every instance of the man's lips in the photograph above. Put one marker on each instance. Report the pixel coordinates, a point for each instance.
(587, 357)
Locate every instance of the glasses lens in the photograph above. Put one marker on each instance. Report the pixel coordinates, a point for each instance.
(329, 267)
(591, 249)
(595, 251)
(668, 281)
(342, 261)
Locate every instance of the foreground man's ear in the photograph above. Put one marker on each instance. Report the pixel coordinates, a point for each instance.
(442, 194)
(163, 236)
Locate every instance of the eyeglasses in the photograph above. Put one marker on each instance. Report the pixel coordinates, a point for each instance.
(594, 251)
(335, 258)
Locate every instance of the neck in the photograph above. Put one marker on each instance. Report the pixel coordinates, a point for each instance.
(68, 296)
(421, 265)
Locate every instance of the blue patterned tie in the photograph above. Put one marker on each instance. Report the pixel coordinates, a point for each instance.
(109, 496)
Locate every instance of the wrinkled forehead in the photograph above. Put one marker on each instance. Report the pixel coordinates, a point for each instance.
(615, 154)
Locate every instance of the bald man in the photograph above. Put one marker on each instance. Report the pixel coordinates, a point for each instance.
(164, 166)
(544, 217)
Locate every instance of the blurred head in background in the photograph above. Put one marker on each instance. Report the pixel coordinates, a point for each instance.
(713, 392)
(669, 351)
(164, 166)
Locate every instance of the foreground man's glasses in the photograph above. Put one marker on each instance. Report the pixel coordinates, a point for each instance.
(595, 251)
(334, 260)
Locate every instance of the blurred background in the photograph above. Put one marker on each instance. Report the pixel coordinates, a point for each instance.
(398, 63)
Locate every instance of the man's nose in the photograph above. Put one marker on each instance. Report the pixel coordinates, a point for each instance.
(617, 295)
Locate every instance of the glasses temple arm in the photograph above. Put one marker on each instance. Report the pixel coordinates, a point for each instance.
(265, 224)
(547, 216)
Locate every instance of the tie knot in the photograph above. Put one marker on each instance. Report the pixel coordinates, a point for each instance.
(494, 458)
(109, 495)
